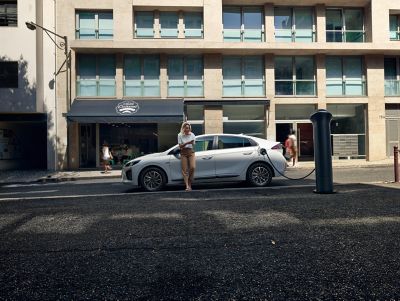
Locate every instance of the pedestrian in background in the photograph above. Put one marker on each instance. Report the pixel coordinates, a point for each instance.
(106, 157)
(293, 138)
(186, 141)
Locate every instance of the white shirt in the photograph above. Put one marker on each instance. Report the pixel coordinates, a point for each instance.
(106, 153)
(182, 138)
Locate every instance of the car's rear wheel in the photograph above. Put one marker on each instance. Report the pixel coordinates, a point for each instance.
(153, 179)
(259, 175)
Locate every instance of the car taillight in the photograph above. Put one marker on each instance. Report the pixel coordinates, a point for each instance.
(277, 146)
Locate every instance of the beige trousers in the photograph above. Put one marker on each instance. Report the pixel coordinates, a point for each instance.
(188, 161)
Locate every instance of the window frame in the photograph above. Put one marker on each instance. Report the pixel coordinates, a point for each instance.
(8, 20)
(97, 77)
(97, 30)
(185, 77)
(344, 77)
(397, 32)
(293, 25)
(242, 76)
(344, 31)
(142, 75)
(242, 29)
(294, 79)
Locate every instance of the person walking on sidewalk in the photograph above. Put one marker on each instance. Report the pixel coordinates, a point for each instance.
(186, 140)
(293, 139)
(106, 157)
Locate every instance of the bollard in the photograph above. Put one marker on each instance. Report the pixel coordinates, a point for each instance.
(396, 164)
(322, 151)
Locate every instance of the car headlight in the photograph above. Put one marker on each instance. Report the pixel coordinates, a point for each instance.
(131, 163)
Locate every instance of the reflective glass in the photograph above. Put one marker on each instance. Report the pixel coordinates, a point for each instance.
(354, 19)
(304, 67)
(283, 67)
(252, 18)
(106, 25)
(283, 18)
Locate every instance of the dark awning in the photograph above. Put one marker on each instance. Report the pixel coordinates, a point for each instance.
(126, 111)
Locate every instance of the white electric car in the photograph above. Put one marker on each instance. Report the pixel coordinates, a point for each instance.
(219, 157)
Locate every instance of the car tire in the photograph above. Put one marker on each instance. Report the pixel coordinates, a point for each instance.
(259, 175)
(153, 179)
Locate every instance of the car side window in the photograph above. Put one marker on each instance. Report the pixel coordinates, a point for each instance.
(225, 142)
(203, 144)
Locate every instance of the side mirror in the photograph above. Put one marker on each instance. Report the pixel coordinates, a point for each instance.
(263, 151)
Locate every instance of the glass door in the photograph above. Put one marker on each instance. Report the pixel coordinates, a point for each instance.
(87, 145)
(305, 141)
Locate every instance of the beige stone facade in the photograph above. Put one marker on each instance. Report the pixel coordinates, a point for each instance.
(212, 47)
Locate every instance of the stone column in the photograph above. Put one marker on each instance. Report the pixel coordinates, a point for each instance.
(376, 127)
(73, 132)
(119, 75)
(212, 76)
(163, 75)
(321, 80)
(269, 26)
(213, 123)
(157, 33)
(320, 14)
(270, 93)
(212, 18)
(123, 20)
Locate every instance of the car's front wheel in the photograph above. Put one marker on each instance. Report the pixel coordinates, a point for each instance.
(152, 179)
(259, 175)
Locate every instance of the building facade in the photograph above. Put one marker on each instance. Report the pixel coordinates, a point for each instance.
(27, 95)
(140, 67)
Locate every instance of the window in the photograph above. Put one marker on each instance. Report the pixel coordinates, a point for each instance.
(8, 13)
(8, 74)
(295, 75)
(394, 27)
(94, 25)
(225, 142)
(243, 24)
(392, 77)
(204, 144)
(185, 76)
(193, 25)
(144, 22)
(96, 75)
(244, 119)
(169, 24)
(294, 24)
(345, 76)
(141, 75)
(243, 76)
(345, 25)
(195, 115)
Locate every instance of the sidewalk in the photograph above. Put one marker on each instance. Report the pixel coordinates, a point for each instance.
(45, 176)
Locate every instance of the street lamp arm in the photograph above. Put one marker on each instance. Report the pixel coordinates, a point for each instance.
(32, 26)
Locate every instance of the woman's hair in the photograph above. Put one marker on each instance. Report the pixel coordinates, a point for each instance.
(183, 126)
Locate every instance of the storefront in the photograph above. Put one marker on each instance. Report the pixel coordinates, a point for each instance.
(131, 128)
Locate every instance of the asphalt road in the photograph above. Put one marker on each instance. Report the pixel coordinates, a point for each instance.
(277, 243)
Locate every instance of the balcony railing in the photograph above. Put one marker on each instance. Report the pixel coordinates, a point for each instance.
(243, 35)
(239, 87)
(93, 87)
(142, 87)
(188, 88)
(392, 87)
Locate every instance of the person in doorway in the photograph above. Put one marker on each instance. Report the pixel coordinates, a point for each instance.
(186, 141)
(293, 138)
(106, 157)
(288, 149)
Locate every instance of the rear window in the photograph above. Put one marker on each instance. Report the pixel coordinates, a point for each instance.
(225, 142)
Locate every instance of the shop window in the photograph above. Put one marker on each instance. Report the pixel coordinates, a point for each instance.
(394, 24)
(345, 76)
(243, 24)
(96, 75)
(169, 24)
(243, 76)
(193, 25)
(144, 24)
(94, 25)
(295, 76)
(8, 74)
(294, 24)
(392, 77)
(348, 129)
(142, 76)
(244, 119)
(345, 25)
(8, 13)
(185, 76)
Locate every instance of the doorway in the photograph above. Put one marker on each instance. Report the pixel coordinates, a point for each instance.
(304, 134)
(87, 145)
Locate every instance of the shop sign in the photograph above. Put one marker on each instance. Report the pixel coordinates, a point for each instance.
(127, 107)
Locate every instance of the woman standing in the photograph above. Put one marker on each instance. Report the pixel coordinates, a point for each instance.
(186, 140)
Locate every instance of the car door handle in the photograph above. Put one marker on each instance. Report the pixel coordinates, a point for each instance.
(248, 153)
(207, 158)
